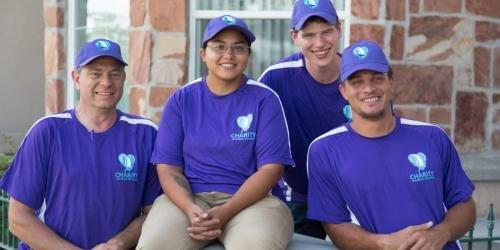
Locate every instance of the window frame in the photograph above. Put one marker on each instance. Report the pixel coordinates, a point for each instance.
(70, 55)
(195, 14)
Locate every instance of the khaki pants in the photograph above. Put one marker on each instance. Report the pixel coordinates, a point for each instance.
(267, 224)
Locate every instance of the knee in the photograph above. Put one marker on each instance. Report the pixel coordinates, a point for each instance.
(163, 223)
(254, 239)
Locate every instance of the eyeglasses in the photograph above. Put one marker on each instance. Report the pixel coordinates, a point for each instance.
(220, 48)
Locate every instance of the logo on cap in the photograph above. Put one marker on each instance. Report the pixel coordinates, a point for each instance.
(311, 3)
(102, 44)
(229, 19)
(360, 52)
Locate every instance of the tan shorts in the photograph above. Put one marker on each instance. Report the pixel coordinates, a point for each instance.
(267, 224)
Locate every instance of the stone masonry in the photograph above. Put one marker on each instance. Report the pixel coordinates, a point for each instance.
(444, 53)
(55, 55)
(158, 56)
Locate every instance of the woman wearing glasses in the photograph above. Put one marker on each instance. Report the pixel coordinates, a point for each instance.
(222, 145)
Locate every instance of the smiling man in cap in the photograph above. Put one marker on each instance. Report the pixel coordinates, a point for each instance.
(400, 180)
(307, 83)
(82, 178)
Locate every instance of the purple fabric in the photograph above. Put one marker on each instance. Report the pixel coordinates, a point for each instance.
(224, 22)
(85, 186)
(97, 48)
(304, 9)
(219, 141)
(405, 178)
(363, 55)
(311, 109)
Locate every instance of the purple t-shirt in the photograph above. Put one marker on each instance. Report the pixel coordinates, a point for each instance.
(220, 141)
(311, 109)
(85, 186)
(408, 177)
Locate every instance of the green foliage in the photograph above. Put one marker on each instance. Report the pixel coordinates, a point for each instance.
(6, 158)
(7, 140)
(5, 161)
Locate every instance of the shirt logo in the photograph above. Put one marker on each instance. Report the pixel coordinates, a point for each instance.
(244, 122)
(311, 3)
(102, 44)
(127, 162)
(419, 160)
(360, 52)
(229, 19)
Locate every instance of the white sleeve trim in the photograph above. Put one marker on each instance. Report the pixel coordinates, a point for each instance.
(415, 123)
(60, 116)
(334, 131)
(291, 64)
(135, 121)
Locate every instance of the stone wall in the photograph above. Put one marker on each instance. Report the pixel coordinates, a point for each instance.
(55, 55)
(444, 53)
(158, 53)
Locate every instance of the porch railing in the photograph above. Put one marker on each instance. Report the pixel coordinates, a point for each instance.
(7, 240)
(489, 239)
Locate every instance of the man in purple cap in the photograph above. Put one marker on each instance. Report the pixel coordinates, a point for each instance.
(82, 178)
(383, 181)
(308, 85)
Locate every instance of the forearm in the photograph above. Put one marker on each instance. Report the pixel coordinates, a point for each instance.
(254, 188)
(26, 226)
(175, 185)
(129, 236)
(350, 236)
(457, 221)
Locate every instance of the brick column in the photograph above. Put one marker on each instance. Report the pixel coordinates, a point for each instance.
(158, 43)
(55, 56)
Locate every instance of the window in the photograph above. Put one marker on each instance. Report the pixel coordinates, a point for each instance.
(90, 19)
(269, 20)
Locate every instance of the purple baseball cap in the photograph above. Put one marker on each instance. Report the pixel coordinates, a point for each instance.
(97, 48)
(362, 55)
(304, 9)
(224, 22)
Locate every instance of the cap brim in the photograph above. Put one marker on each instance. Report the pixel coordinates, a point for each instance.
(377, 67)
(97, 56)
(248, 35)
(331, 19)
